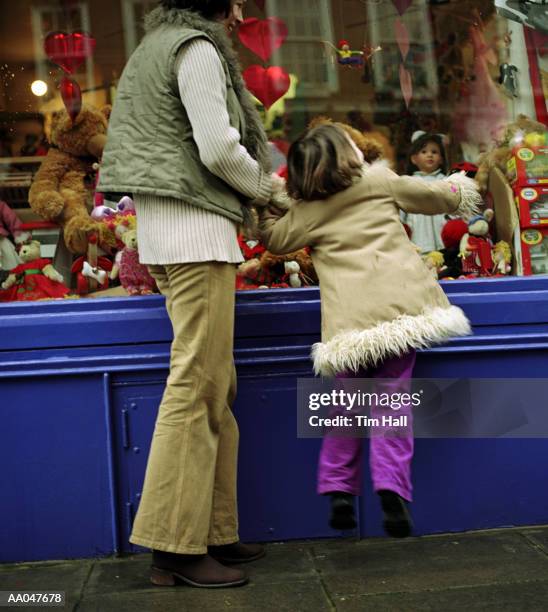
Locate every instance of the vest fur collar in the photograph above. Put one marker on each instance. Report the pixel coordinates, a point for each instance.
(255, 139)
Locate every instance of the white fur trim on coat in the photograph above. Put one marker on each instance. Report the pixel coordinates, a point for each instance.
(470, 198)
(351, 350)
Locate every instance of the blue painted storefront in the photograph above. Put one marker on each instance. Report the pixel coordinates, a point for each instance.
(80, 383)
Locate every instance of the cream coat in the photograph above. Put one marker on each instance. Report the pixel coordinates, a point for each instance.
(378, 299)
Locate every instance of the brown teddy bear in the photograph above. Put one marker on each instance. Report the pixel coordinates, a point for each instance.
(290, 270)
(500, 155)
(59, 192)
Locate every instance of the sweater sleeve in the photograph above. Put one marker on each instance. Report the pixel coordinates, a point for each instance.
(203, 92)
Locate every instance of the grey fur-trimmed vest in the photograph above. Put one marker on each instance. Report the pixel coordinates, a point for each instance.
(150, 145)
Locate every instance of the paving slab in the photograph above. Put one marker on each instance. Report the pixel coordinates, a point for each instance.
(69, 576)
(419, 564)
(521, 596)
(304, 596)
(537, 536)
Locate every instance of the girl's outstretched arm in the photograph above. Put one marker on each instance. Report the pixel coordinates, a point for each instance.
(284, 231)
(456, 194)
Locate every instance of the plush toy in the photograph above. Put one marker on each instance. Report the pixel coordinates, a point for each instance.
(435, 263)
(515, 132)
(33, 279)
(250, 274)
(290, 270)
(476, 246)
(60, 192)
(451, 235)
(91, 270)
(502, 258)
(10, 225)
(124, 207)
(134, 275)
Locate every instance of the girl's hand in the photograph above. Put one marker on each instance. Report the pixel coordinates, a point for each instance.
(278, 184)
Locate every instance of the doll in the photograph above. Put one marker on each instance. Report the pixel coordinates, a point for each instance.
(428, 161)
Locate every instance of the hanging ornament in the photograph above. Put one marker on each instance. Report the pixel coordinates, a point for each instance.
(352, 58)
(260, 4)
(267, 84)
(69, 51)
(402, 37)
(402, 5)
(406, 84)
(72, 97)
(263, 36)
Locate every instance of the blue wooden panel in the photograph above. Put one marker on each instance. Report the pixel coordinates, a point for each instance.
(55, 476)
(54, 357)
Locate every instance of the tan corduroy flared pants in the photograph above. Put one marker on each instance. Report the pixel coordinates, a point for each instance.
(189, 495)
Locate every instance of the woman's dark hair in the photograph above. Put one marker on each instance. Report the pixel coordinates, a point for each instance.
(422, 141)
(320, 163)
(206, 8)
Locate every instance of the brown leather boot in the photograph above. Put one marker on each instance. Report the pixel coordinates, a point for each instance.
(195, 570)
(237, 552)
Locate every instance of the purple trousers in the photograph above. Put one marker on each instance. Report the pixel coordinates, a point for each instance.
(340, 465)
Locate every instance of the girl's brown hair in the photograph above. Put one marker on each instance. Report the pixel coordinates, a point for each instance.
(320, 163)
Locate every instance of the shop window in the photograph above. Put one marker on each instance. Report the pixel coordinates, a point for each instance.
(380, 22)
(133, 12)
(310, 24)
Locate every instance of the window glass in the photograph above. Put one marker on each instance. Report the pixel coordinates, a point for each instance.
(465, 69)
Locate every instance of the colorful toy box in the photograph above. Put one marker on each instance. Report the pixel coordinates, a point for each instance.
(534, 250)
(532, 203)
(529, 162)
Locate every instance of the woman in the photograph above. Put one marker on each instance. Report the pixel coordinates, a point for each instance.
(185, 139)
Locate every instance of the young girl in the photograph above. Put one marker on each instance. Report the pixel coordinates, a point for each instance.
(379, 301)
(428, 161)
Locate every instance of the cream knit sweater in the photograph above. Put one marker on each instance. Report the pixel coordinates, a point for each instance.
(172, 231)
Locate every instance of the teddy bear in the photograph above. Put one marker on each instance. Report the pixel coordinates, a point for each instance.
(60, 191)
(290, 270)
(134, 276)
(476, 246)
(33, 279)
(249, 274)
(498, 156)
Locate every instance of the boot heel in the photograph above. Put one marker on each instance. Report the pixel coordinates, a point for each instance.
(161, 577)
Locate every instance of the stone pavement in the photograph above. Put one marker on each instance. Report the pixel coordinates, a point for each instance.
(502, 570)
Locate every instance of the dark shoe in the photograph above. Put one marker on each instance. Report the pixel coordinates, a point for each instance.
(342, 511)
(237, 552)
(195, 570)
(397, 521)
